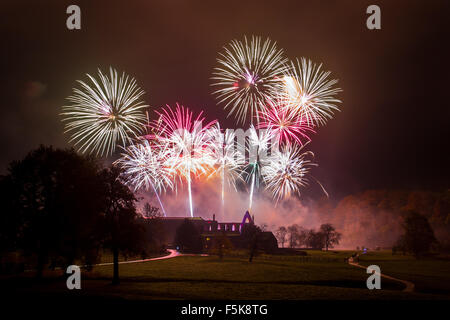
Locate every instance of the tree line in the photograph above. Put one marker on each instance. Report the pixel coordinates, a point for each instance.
(417, 238)
(295, 236)
(375, 218)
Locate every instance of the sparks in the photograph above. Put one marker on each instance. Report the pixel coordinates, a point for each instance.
(225, 156)
(258, 144)
(310, 93)
(287, 171)
(248, 73)
(104, 114)
(145, 166)
(188, 143)
(286, 125)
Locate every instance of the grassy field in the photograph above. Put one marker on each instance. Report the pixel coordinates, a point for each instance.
(429, 275)
(320, 275)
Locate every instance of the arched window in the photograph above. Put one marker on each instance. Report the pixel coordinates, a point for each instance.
(248, 218)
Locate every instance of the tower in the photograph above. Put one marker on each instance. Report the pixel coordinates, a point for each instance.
(246, 217)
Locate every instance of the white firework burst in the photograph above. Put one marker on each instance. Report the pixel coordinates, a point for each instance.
(248, 73)
(257, 148)
(145, 167)
(310, 93)
(104, 113)
(225, 155)
(286, 171)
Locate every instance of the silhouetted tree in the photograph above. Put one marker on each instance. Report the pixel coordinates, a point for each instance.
(221, 245)
(250, 235)
(418, 237)
(399, 245)
(188, 238)
(150, 212)
(302, 235)
(280, 234)
(154, 229)
(122, 231)
(293, 235)
(331, 236)
(315, 240)
(54, 201)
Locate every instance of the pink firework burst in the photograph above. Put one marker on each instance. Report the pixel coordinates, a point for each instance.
(187, 140)
(285, 124)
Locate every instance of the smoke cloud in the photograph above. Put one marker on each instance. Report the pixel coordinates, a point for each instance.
(372, 218)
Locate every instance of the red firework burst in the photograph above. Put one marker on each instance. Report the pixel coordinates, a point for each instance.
(286, 124)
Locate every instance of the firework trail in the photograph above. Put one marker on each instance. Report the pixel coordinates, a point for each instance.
(284, 122)
(187, 141)
(248, 73)
(144, 167)
(287, 170)
(225, 155)
(257, 147)
(104, 113)
(311, 94)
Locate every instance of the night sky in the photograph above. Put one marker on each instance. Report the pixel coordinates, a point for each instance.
(392, 131)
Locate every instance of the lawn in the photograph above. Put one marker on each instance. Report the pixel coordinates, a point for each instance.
(429, 275)
(320, 275)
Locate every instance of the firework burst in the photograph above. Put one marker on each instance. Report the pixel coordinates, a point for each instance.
(284, 122)
(310, 93)
(257, 147)
(248, 73)
(187, 141)
(225, 156)
(144, 168)
(287, 171)
(104, 113)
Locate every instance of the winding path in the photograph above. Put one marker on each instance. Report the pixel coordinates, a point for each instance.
(173, 254)
(409, 286)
